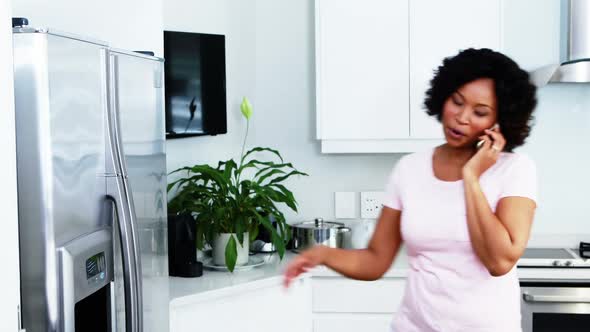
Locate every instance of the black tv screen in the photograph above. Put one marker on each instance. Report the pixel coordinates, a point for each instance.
(195, 84)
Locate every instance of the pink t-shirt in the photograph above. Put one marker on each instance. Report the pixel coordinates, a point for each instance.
(448, 288)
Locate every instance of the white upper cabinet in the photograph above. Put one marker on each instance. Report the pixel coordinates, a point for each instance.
(439, 29)
(362, 69)
(375, 59)
(532, 37)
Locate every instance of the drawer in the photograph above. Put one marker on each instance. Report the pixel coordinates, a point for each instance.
(330, 322)
(338, 294)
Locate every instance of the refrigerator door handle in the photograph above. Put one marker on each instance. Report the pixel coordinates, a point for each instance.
(132, 303)
(133, 235)
(125, 206)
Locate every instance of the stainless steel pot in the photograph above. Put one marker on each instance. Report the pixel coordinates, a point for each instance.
(309, 233)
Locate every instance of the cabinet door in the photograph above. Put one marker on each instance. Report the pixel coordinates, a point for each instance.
(439, 29)
(248, 308)
(352, 322)
(379, 296)
(362, 69)
(532, 38)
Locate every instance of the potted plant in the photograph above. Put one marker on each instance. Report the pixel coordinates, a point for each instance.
(231, 201)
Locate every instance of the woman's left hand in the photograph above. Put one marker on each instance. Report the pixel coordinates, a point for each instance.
(486, 156)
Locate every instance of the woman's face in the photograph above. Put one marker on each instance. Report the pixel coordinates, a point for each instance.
(468, 112)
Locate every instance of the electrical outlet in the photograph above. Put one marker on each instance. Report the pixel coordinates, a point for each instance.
(371, 204)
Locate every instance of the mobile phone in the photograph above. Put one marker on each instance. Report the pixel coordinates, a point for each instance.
(481, 141)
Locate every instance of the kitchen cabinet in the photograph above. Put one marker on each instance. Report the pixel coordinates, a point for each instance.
(351, 322)
(263, 307)
(374, 61)
(439, 29)
(341, 304)
(362, 69)
(532, 37)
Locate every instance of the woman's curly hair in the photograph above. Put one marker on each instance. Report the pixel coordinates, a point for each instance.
(515, 94)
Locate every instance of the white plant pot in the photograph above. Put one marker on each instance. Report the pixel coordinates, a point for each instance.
(219, 249)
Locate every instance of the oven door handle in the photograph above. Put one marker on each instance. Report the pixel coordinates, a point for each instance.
(555, 298)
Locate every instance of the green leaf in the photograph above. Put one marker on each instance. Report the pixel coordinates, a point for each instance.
(254, 163)
(249, 164)
(269, 174)
(279, 244)
(259, 149)
(282, 178)
(253, 231)
(240, 229)
(231, 254)
(230, 166)
(206, 172)
(276, 239)
(272, 165)
(285, 191)
(186, 168)
(290, 199)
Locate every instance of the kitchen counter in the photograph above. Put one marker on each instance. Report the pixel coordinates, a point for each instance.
(400, 269)
(218, 283)
(239, 301)
(215, 286)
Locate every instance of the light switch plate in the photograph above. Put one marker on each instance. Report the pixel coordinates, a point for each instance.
(345, 205)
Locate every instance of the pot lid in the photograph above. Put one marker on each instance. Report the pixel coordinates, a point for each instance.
(319, 223)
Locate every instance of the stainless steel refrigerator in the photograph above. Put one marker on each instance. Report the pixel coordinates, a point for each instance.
(91, 168)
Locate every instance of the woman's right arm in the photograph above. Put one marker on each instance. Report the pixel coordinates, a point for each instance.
(360, 264)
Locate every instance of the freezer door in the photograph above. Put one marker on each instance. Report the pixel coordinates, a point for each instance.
(60, 160)
(140, 102)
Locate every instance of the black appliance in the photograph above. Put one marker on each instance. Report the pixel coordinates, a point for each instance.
(182, 251)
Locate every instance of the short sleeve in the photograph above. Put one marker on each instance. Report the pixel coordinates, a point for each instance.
(521, 179)
(392, 197)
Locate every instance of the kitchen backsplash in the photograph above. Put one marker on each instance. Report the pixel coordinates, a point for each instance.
(559, 145)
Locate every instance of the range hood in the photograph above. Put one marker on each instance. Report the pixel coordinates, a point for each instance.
(576, 68)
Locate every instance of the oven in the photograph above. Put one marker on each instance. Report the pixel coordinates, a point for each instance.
(555, 306)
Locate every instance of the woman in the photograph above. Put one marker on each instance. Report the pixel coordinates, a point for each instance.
(464, 210)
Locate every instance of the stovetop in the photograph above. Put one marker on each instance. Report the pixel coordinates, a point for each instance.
(547, 253)
(553, 257)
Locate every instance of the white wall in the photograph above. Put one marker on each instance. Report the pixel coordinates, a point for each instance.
(9, 279)
(558, 140)
(127, 24)
(559, 145)
(270, 59)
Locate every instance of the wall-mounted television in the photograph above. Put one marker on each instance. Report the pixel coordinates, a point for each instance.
(194, 84)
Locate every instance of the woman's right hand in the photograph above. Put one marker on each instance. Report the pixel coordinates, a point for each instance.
(304, 262)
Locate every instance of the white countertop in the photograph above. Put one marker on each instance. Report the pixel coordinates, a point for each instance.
(219, 283)
(400, 268)
(215, 284)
